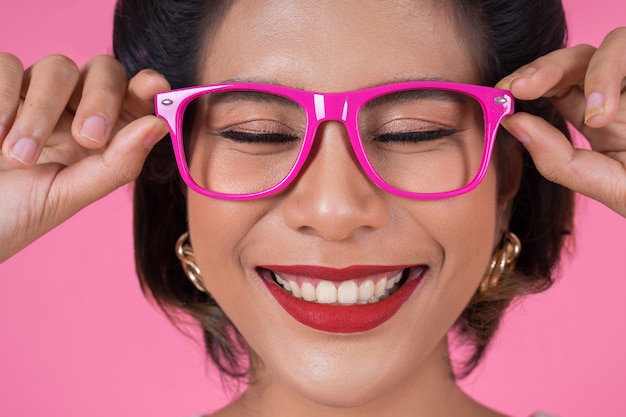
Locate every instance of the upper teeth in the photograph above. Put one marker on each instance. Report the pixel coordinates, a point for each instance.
(346, 293)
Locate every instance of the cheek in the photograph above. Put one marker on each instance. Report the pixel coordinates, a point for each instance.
(463, 229)
(213, 231)
(218, 231)
(468, 236)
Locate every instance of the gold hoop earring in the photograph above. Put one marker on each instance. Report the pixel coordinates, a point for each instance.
(184, 253)
(502, 260)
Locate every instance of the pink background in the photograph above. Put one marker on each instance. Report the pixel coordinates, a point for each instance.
(77, 337)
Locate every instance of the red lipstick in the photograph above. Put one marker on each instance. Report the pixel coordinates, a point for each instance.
(337, 318)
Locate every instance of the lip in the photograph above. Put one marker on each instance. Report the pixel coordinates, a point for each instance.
(343, 319)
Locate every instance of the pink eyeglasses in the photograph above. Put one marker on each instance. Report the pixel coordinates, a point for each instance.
(419, 140)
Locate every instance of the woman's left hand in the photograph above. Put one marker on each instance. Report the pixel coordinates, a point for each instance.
(588, 86)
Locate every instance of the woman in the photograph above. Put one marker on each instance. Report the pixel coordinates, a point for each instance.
(328, 223)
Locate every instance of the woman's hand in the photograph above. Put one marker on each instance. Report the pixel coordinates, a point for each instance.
(68, 137)
(588, 86)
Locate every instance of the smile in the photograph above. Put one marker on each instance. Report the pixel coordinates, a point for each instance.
(348, 300)
(365, 290)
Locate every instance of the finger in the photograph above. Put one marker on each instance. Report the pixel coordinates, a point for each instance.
(74, 187)
(551, 75)
(11, 74)
(590, 173)
(97, 175)
(103, 90)
(52, 81)
(559, 76)
(604, 81)
(571, 104)
(141, 91)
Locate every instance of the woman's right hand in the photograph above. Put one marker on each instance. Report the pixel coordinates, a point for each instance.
(68, 137)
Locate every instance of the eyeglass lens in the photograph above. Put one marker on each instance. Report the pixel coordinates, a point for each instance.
(422, 141)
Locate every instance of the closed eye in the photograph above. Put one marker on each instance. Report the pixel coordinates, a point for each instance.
(249, 137)
(415, 137)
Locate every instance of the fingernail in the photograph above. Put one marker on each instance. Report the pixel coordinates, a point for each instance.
(595, 106)
(94, 128)
(506, 82)
(24, 150)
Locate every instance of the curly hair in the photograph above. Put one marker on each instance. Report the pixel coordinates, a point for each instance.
(170, 35)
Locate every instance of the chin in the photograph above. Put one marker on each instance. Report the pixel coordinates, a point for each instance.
(348, 371)
(342, 388)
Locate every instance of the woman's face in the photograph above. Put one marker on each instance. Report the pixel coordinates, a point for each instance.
(333, 216)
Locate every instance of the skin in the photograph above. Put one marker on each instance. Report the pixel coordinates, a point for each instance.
(332, 215)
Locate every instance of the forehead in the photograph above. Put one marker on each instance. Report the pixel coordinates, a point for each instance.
(329, 45)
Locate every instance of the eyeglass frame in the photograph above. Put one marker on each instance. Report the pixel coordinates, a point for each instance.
(343, 107)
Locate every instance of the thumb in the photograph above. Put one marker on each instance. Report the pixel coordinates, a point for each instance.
(98, 175)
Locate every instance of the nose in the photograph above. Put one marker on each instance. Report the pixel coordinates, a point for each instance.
(332, 197)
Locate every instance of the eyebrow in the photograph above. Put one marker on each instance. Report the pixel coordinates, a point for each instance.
(407, 95)
(254, 96)
(431, 78)
(410, 95)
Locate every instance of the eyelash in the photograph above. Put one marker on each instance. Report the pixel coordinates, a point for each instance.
(395, 137)
(244, 137)
(415, 137)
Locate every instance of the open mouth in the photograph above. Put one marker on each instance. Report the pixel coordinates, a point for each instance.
(364, 290)
(349, 300)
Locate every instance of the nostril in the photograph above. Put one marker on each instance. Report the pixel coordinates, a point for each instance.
(335, 220)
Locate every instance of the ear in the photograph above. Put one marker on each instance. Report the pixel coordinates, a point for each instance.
(509, 168)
